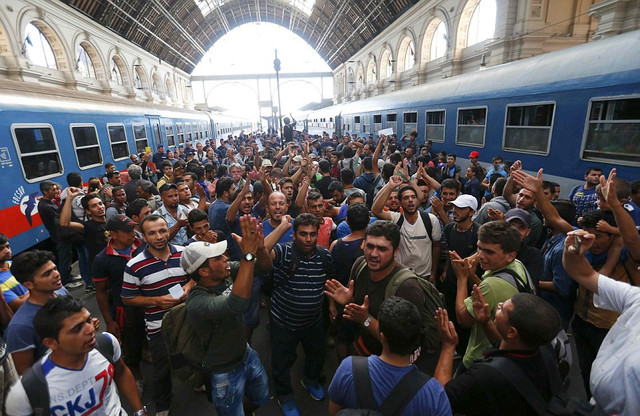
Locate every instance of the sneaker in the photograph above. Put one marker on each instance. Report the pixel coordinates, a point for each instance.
(73, 285)
(76, 278)
(163, 413)
(315, 390)
(289, 408)
(90, 289)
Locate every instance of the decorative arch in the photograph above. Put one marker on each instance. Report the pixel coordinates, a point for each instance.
(435, 41)
(351, 81)
(360, 77)
(170, 87)
(60, 52)
(140, 79)
(464, 24)
(96, 60)
(372, 76)
(122, 69)
(386, 62)
(406, 53)
(156, 84)
(6, 39)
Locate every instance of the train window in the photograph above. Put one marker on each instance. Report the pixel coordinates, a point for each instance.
(168, 130)
(410, 122)
(180, 132)
(85, 139)
(356, 124)
(366, 124)
(377, 122)
(528, 127)
(392, 122)
(187, 132)
(471, 126)
(38, 151)
(118, 140)
(140, 137)
(434, 125)
(613, 131)
(197, 132)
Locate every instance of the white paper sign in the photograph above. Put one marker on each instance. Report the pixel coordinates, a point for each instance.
(259, 143)
(386, 132)
(176, 291)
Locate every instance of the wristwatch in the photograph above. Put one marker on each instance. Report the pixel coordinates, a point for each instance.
(249, 257)
(367, 321)
(141, 412)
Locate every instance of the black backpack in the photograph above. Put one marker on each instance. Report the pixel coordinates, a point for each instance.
(67, 234)
(394, 403)
(560, 404)
(515, 280)
(35, 382)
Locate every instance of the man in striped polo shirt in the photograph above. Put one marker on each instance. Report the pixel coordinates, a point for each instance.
(146, 283)
(300, 270)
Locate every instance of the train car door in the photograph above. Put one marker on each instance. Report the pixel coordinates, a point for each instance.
(154, 124)
(338, 125)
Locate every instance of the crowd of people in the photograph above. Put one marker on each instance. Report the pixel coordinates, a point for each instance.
(452, 282)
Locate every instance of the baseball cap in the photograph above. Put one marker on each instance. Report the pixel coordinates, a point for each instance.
(266, 162)
(167, 186)
(120, 223)
(474, 154)
(466, 201)
(297, 158)
(195, 254)
(518, 214)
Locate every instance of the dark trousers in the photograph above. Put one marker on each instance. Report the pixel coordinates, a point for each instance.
(588, 341)
(64, 254)
(161, 374)
(284, 343)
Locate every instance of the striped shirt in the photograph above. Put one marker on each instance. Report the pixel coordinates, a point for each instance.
(147, 275)
(296, 302)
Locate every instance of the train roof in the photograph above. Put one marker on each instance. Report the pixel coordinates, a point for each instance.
(563, 69)
(16, 95)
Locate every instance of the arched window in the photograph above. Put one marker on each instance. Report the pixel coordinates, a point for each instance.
(116, 75)
(37, 48)
(409, 56)
(84, 64)
(439, 42)
(156, 86)
(371, 72)
(483, 22)
(360, 82)
(386, 65)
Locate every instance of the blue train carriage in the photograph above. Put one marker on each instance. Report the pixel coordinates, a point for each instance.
(47, 133)
(564, 111)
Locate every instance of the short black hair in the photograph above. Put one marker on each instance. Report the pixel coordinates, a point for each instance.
(501, 233)
(223, 185)
(400, 322)
(386, 229)
(135, 207)
(590, 168)
(537, 321)
(357, 217)
(87, 198)
(336, 186)
(25, 264)
(74, 179)
(166, 163)
(367, 163)
(150, 218)
(406, 188)
(3, 239)
(451, 183)
(347, 176)
(46, 185)
(112, 174)
(196, 215)
(324, 165)
(48, 320)
(305, 219)
(590, 219)
(566, 209)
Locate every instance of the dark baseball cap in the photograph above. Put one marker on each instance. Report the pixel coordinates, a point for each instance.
(120, 223)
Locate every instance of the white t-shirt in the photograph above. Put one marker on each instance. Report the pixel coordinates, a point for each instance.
(90, 390)
(616, 369)
(415, 245)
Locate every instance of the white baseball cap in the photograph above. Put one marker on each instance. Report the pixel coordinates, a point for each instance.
(195, 254)
(466, 201)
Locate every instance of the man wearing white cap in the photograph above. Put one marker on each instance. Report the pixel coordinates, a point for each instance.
(462, 237)
(215, 308)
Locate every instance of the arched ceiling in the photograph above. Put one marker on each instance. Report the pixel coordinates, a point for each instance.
(181, 31)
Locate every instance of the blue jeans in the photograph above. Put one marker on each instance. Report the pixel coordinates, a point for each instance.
(64, 256)
(228, 389)
(83, 263)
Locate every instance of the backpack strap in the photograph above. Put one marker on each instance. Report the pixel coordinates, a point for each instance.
(362, 382)
(37, 389)
(513, 278)
(519, 380)
(426, 220)
(105, 347)
(396, 280)
(357, 270)
(404, 392)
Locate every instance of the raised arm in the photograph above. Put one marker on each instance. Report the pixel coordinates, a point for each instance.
(575, 263)
(376, 155)
(550, 213)
(627, 227)
(65, 214)
(232, 211)
(509, 187)
(380, 200)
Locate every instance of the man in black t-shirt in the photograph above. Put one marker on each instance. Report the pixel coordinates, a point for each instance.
(94, 229)
(287, 129)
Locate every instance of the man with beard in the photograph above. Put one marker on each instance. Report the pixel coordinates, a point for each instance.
(173, 213)
(584, 197)
(242, 205)
(146, 282)
(94, 228)
(300, 270)
(419, 247)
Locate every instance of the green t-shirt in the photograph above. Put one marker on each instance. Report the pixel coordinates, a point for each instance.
(495, 290)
